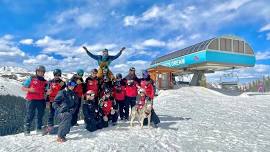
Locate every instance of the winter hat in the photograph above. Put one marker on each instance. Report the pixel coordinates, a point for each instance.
(71, 83)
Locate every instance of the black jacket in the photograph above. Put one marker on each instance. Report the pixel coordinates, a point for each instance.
(91, 111)
(66, 101)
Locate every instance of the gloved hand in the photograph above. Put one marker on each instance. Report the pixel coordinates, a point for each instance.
(105, 118)
(112, 112)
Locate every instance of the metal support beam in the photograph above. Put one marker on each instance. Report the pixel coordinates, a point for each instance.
(197, 77)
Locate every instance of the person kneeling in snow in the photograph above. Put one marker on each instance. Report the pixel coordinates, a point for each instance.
(109, 108)
(92, 113)
(66, 102)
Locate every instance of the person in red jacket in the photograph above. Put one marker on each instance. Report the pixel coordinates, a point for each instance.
(119, 94)
(92, 84)
(35, 86)
(132, 84)
(79, 90)
(148, 87)
(109, 108)
(147, 84)
(54, 86)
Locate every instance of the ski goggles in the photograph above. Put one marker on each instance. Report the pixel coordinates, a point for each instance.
(72, 84)
(80, 74)
(90, 94)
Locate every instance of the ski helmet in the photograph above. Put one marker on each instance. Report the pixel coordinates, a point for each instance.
(57, 72)
(80, 72)
(41, 68)
(118, 76)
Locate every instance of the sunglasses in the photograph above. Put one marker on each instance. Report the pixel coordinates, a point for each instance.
(90, 94)
(58, 75)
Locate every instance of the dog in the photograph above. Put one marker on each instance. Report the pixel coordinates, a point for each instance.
(141, 111)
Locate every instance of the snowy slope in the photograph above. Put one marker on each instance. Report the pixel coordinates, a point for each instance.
(11, 87)
(11, 79)
(192, 119)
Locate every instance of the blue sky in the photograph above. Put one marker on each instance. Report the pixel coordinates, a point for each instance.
(52, 32)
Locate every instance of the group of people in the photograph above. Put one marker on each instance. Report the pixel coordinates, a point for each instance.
(104, 97)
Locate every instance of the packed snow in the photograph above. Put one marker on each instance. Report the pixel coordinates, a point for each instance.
(192, 119)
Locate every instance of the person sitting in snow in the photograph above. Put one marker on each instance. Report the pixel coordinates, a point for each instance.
(65, 103)
(104, 60)
(109, 108)
(92, 113)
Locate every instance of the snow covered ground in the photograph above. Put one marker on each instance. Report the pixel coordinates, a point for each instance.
(11, 87)
(192, 119)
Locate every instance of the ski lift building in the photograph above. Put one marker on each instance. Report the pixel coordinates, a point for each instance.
(216, 54)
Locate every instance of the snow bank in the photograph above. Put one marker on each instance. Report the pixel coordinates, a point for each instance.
(192, 119)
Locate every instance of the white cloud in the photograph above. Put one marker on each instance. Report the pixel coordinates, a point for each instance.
(100, 46)
(9, 52)
(263, 55)
(130, 21)
(57, 46)
(230, 6)
(153, 43)
(27, 41)
(41, 59)
(265, 28)
(87, 20)
(177, 43)
(152, 13)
